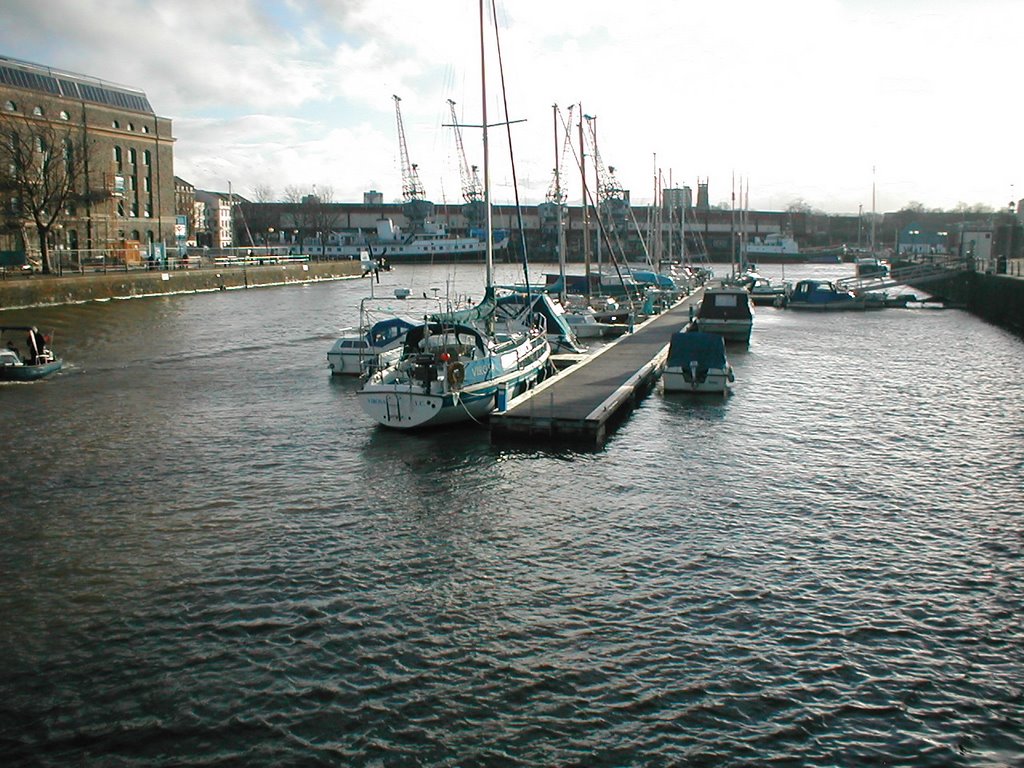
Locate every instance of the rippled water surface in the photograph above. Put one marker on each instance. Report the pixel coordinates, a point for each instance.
(210, 556)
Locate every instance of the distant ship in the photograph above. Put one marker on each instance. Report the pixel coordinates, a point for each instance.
(389, 243)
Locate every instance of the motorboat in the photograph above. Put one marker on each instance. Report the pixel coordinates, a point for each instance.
(823, 296)
(38, 360)
(726, 310)
(697, 363)
(359, 350)
(763, 292)
(871, 266)
(454, 372)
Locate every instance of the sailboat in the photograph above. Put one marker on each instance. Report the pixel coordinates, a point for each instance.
(457, 366)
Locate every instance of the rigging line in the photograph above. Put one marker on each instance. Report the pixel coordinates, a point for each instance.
(511, 155)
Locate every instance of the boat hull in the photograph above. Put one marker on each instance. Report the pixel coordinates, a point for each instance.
(717, 381)
(433, 397)
(29, 372)
(730, 330)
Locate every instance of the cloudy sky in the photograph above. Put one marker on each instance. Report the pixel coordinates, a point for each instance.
(799, 99)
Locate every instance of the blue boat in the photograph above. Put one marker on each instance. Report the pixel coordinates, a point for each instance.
(823, 296)
(697, 363)
(38, 360)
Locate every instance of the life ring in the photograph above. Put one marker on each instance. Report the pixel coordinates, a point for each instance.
(456, 375)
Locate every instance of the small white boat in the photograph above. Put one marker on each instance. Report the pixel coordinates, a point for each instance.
(585, 325)
(358, 351)
(726, 310)
(697, 363)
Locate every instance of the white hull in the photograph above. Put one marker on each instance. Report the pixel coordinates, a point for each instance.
(730, 330)
(407, 396)
(716, 382)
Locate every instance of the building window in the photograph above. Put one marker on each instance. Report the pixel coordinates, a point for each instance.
(120, 207)
(149, 210)
(135, 234)
(145, 183)
(10, 106)
(38, 111)
(149, 235)
(117, 156)
(145, 157)
(131, 155)
(145, 129)
(115, 124)
(64, 115)
(131, 127)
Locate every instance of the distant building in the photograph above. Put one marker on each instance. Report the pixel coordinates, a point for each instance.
(184, 206)
(217, 224)
(373, 197)
(677, 198)
(128, 194)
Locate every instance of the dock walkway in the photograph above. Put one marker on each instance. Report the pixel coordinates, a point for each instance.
(580, 403)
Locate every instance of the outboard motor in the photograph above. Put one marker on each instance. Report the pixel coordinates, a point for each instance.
(424, 370)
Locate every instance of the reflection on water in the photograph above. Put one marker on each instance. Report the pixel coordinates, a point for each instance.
(210, 555)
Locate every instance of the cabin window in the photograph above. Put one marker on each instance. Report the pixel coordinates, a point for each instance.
(725, 300)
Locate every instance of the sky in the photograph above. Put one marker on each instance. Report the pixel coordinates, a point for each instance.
(828, 102)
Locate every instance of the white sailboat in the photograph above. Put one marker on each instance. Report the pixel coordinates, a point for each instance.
(456, 367)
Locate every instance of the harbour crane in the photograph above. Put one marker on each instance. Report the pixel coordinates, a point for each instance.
(416, 208)
(552, 209)
(475, 209)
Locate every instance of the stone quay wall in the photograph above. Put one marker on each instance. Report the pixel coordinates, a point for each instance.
(38, 290)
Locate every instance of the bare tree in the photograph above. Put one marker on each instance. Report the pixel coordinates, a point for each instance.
(262, 193)
(42, 170)
(294, 193)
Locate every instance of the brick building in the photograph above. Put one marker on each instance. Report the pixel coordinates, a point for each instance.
(127, 194)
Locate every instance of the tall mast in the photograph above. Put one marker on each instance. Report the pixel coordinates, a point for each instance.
(872, 210)
(586, 218)
(558, 202)
(487, 164)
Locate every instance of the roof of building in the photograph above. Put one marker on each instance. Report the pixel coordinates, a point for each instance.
(35, 77)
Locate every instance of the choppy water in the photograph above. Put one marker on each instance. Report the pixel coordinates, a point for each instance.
(209, 556)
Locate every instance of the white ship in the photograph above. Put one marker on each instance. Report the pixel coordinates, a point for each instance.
(390, 243)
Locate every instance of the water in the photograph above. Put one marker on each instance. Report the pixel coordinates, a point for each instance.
(209, 555)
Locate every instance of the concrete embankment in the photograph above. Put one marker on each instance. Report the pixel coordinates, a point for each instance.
(40, 290)
(997, 299)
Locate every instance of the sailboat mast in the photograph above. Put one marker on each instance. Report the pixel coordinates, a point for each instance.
(586, 218)
(872, 210)
(489, 277)
(560, 237)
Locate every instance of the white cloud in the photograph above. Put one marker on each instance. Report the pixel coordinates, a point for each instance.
(802, 97)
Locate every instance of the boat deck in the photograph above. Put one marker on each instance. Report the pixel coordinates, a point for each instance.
(581, 403)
